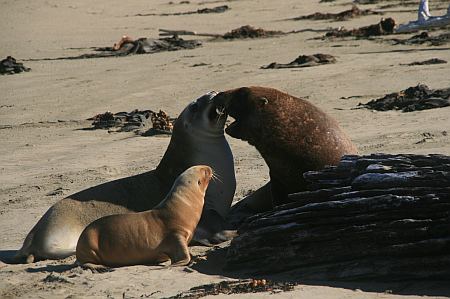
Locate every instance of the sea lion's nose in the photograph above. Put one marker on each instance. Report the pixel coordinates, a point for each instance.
(222, 100)
(212, 94)
(208, 97)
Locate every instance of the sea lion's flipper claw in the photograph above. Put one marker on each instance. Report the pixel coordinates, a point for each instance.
(96, 268)
(223, 236)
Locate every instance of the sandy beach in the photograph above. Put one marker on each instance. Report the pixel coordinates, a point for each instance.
(46, 155)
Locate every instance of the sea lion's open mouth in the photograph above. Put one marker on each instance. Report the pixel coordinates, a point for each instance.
(234, 127)
(227, 107)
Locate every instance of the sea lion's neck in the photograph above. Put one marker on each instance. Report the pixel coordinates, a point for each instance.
(173, 162)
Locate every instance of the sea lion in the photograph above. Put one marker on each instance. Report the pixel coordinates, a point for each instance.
(197, 139)
(149, 237)
(291, 134)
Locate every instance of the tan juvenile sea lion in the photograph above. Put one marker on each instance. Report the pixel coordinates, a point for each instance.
(292, 135)
(197, 139)
(149, 237)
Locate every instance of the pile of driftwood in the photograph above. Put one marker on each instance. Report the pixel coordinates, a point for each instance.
(371, 217)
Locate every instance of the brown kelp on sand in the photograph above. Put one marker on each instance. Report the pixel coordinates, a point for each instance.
(216, 9)
(9, 66)
(426, 62)
(143, 122)
(351, 13)
(241, 286)
(419, 97)
(129, 46)
(384, 27)
(303, 61)
(242, 32)
(424, 38)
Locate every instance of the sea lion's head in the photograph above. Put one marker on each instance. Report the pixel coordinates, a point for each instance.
(202, 118)
(195, 178)
(249, 108)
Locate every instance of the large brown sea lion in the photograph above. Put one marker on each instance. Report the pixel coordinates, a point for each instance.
(150, 237)
(292, 135)
(197, 139)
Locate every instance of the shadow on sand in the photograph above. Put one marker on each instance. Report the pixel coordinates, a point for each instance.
(215, 262)
(7, 256)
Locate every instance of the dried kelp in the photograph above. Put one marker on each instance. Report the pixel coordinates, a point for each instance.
(242, 32)
(392, 3)
(161, 124)
(130, 46)
(303, 61)
(354, 12)
(419, 97)
(424, 38)
(217, 9)
(248, 31)
(9, 66)
(151, 45)
(370, 217)
(242, 286)
(385, 26)
(136, 120)
(427, 62)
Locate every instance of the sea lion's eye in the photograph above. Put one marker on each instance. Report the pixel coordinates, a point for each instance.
(264, 101)
(199, 183)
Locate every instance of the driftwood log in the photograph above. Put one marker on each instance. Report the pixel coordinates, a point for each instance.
(371, 217)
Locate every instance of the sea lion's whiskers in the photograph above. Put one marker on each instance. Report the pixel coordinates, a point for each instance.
(220, 111)
(216, 177)
(54, 235)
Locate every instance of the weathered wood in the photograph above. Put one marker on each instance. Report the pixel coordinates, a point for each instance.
(168, 32)
(387, 268)
(389, 216)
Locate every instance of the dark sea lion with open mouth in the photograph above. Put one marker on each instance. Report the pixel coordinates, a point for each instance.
(291, 134)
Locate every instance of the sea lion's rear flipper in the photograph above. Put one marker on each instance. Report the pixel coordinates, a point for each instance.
(22, 258)
(223, 236)
(96, 268)
(211, 229)
(278, 192)
(257, 202)
(24, 254)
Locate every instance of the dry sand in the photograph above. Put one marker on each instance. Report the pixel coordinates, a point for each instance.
(43, 151)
